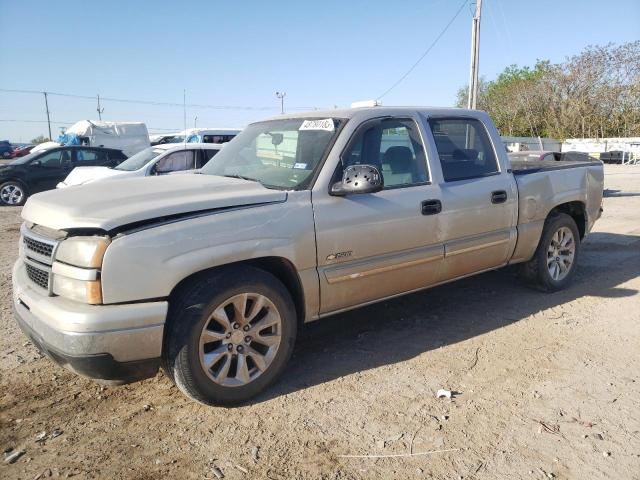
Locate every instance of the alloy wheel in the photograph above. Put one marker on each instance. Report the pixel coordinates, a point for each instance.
(240, 339)
(11, 194)
(561, 253)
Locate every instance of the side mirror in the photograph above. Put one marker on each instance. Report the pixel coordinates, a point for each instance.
(358, 179)
(36, 163)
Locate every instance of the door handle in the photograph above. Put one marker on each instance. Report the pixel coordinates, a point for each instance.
(499, 196)
(431, 207)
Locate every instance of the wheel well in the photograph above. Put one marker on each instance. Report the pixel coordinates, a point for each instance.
(279, 267)
(17, 180)
(575, 210)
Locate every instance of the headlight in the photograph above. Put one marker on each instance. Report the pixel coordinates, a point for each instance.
(86, 252)
(75, 269)
(79, 290)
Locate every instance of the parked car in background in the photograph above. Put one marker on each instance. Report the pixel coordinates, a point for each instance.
(614, 156)
(43, 170)
(161, 139)
(298, 218)
(21, 151)
(206, 135)
(546, 156)
(158, 160)
(5, 149)
(534, 155)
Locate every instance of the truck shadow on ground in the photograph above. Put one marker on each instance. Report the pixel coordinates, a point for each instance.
(400, 329)
(608, 193)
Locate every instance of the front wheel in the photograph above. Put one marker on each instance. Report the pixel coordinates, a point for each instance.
(553, 266)
(13, 193)
(230, 335)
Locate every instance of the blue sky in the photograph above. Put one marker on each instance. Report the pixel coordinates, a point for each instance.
(321, 53)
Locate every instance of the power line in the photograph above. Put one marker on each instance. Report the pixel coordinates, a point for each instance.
(35, 121)
(444, 30)
(71, 123)
(155, 103)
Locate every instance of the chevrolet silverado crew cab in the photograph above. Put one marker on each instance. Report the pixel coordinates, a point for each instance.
(297, 218)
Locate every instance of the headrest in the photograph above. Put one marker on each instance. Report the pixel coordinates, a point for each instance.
(399, 159)
(465, 154)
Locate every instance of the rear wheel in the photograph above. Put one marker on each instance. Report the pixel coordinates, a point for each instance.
(13, 193)
(554, 264)
(230, 335)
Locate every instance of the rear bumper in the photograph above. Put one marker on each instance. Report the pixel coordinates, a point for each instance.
(114, 343)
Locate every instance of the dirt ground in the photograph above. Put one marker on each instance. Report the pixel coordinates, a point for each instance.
(549, 386)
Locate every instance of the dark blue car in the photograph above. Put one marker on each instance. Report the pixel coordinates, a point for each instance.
(5, 149)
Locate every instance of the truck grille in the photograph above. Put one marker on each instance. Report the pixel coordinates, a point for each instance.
(38, 276)
(41, 248)
(38, 250)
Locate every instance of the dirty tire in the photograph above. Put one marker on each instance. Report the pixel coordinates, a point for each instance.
(536, 272)
(13, 193)
(191, 311)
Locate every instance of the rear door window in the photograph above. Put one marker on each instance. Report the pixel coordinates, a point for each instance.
(91, 157)
(464, 148)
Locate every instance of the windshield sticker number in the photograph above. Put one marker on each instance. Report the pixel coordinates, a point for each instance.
(325, 125)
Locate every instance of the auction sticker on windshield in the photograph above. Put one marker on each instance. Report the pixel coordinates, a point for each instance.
(326, 125)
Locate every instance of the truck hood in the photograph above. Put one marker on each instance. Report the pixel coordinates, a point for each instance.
(80, 175)
(109, 205)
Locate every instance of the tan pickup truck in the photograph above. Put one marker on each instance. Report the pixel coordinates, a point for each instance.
(210, 275)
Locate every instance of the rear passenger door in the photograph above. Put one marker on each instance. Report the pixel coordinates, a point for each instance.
(479, 198)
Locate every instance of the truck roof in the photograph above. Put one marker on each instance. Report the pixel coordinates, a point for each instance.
(378, 111)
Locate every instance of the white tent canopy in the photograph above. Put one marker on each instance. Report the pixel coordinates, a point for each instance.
(130, 137)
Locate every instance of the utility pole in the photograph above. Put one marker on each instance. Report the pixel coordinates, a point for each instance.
(475, 57)
(281, 96)
(184, 110)
(100, 110)
(46, 106)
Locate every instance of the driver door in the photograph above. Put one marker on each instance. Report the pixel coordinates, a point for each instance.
(49, 169)
(376, 245)
(175, 162)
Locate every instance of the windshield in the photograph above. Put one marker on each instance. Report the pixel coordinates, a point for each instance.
(140, 159)
(281, 154)
(177, 139)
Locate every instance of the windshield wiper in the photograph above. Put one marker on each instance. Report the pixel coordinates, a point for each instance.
(242, 177)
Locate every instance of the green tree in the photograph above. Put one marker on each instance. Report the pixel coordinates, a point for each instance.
(593, 94)
(40, 139)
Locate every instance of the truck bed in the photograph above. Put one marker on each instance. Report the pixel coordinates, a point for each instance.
(524, 167)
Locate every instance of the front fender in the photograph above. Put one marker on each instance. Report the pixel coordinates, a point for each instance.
(150, 263)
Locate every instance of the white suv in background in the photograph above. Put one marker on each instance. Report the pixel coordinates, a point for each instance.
(206, 135)
(157, 160)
